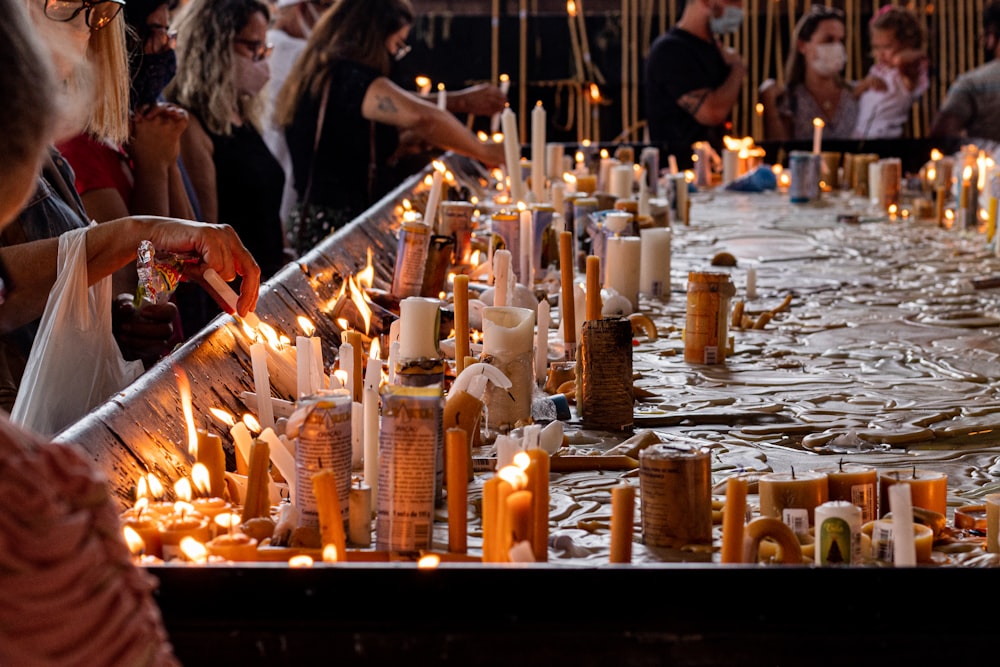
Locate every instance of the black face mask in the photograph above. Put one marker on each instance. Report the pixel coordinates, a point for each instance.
(154, 73)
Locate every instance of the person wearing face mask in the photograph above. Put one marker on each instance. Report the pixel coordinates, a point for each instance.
(969, 110)
(692, 79)
(814, 85)
(343, 116)
(222, 69)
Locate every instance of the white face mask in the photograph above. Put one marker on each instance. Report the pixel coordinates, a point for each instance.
(830, 58)
(251, 77)
(729, 22)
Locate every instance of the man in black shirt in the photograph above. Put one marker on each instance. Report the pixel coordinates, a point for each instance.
(692, 80)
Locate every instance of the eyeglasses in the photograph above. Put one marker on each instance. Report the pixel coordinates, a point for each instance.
(259, 50)
(162, 37)
(98, 14)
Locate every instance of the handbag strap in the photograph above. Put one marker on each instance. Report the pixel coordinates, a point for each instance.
(320, 118)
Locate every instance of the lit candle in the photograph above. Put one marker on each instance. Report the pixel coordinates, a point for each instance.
(537, 473)
(542, 341)
(512, 154)
(442, 99)
(733, 518)
(434, 196)
(419, 326)
(939, 205)
(758, 122)
(495, 119)
(567, 314)
(462, 332)
(538, 152)
(262, 384)
(456, 464)
(495, 492)
(304, 366)
(508, 337)
(243, 441)
(346, 363)
(331, 518)
(423, 85)
(356, 342)
(622, 522)
(818, 125)
(211, 455)
(593, 287)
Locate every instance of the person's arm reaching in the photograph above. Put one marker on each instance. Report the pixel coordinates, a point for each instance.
(712, 107)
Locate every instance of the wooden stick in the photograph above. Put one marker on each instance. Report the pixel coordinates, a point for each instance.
(495, 41)
(625, 39)
(522, 84)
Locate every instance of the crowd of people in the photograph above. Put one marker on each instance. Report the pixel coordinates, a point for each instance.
(240, 133)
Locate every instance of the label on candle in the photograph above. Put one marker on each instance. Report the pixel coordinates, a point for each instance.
(675, 486)
(411, 461)
(324, 442)
(411, 259)
(706, 329)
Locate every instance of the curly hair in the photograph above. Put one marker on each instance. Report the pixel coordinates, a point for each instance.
(206, 70)
(903, 24)
(353, 30)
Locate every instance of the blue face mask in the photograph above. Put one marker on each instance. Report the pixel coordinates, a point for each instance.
(730, 21)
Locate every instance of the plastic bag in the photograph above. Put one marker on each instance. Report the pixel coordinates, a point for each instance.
(75, 363)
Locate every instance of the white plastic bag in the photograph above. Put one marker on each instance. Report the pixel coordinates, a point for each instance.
(75, 363)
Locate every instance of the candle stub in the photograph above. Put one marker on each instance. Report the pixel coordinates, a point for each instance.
(675, 486)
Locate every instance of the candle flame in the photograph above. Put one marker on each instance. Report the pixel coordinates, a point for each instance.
(440, 87)
(504, 77)
(141, 489)
(185, 390)
(308, 328)
(375, 351)
(967, 173)
(569, 178)
(228, 520)
(358, 299)
(342, 323)
(182, 508)
(223, 416)
(300, 561)
(595, 92)
(893, 209)
(136, 545)
(423, 82)
(182, 490)
(428, 562)
(482, 136)
(270, 335)
(514, 476)
(156, 489)
(936, 154)
(341, 377)
(251, 423)
(498, 138)
(202, 480)
(818, 122)
(759, 108)
(605, 154)
(571, 8)
(141, 505)
(194, 550)
(931, 174)
(330, 553)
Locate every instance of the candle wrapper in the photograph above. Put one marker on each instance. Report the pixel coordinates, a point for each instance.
(604, 396)
(675, 486)
(322, 428)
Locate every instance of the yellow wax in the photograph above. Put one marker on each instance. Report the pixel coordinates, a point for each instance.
(519, 516)
(594, 305)
(210, 454)
(461, 292)
(537, 473)
(733, 518)
(148, 528)
(258, 499)
(491, 515)
(622, 523)
(586, 183)
(854, 483)
(331, 518)
(235, 547)
(457, 481)
(567, 304)
(923, 538)
(176, 528)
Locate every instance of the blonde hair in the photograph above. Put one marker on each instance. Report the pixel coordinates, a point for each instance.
(205, 82)
(109, 117)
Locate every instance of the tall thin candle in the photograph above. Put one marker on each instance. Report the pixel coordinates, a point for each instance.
(262, 384)
(622, 522)
(461, 292)
(594, 305)
(538, 152)
(456, 454)
(567, 314)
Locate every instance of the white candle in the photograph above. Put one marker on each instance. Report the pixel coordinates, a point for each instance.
(370, 401)
(527, 244)
(604, 173)
(508, 336)
(512, 154)
(242, 440)
(730, 165)
(357, 433)
(558, 190)
(317, 375)
(346, 364)
(442, 98)
(542, 340)
(262, 385)
(227, 294)
(623, 254)
(304, 366)
(538, 152)
(751, 291)
(501, 276)
(654, 262)
(904, 548)
(434, 196)
(643, 196)
(281, 457)
(554, 161)
(818, 125)
(419, 319)
(622, 177)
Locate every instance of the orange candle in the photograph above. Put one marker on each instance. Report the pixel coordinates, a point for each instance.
(594, 304)
(733, 519)
(622, 522)
(567, 307)
(854, 483)
(519, 516)
(331, 517)
(928, 489)
(793, 497)
(211, 454)
(236, 547)
(148, 528)
(939, 206)
(537, 473)
(495, 492)
(456, 463)
(461, 292)
(176, 527)
(357, 346)
(586, 183)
